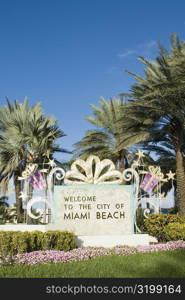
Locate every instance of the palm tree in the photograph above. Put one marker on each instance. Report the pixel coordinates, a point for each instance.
(106, 139)
(159, 98)
(27, 135)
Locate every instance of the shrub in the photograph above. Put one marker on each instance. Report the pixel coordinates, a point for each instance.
(56, 240)
(6, 243)
(20, 242)
(35, 240)
(14, 242)
(174, 231)
(66, 239)
(156, 223)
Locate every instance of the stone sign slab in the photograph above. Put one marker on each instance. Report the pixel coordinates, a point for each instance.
(94, 209)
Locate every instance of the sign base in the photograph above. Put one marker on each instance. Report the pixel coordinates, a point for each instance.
(115, 240)
(87, 240)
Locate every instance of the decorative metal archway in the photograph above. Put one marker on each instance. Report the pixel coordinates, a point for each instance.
(92, 171)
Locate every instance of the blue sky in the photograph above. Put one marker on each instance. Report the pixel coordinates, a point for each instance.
(69, 53)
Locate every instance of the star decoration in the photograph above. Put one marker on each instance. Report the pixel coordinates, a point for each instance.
(170, 175)
(51, 163)
(140, 154)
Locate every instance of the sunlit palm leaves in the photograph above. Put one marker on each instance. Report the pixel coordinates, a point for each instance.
(105, 140)
(159, 96)
(26, 135)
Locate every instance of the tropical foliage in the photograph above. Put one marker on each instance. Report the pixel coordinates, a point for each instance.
(151, 117)
(7, 214)
(105, 140)
(27, 135)
(158, 100)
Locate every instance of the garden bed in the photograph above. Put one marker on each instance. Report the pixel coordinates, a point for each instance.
(81, 254)
(160, 264)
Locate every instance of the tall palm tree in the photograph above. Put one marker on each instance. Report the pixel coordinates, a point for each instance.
(159, 96)
(105, 140)
(27, 135)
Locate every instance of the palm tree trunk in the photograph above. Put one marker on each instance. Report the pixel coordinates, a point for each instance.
(180, 175)
(29, 220)
(19, 207)
(122, 165)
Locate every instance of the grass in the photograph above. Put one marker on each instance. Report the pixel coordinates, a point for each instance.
(140, 265)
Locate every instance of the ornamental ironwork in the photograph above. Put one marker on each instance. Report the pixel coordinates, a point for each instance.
(146, 180)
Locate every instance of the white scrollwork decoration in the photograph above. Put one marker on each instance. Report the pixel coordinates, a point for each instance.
(57, 173)
(93, 171)
(128, 175)
(32, 202)
(146, 211)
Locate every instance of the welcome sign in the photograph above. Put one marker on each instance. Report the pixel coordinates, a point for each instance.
(94, 209)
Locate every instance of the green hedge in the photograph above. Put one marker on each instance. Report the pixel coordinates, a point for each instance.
(174, 231)
(156, 223)
(14, 242)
